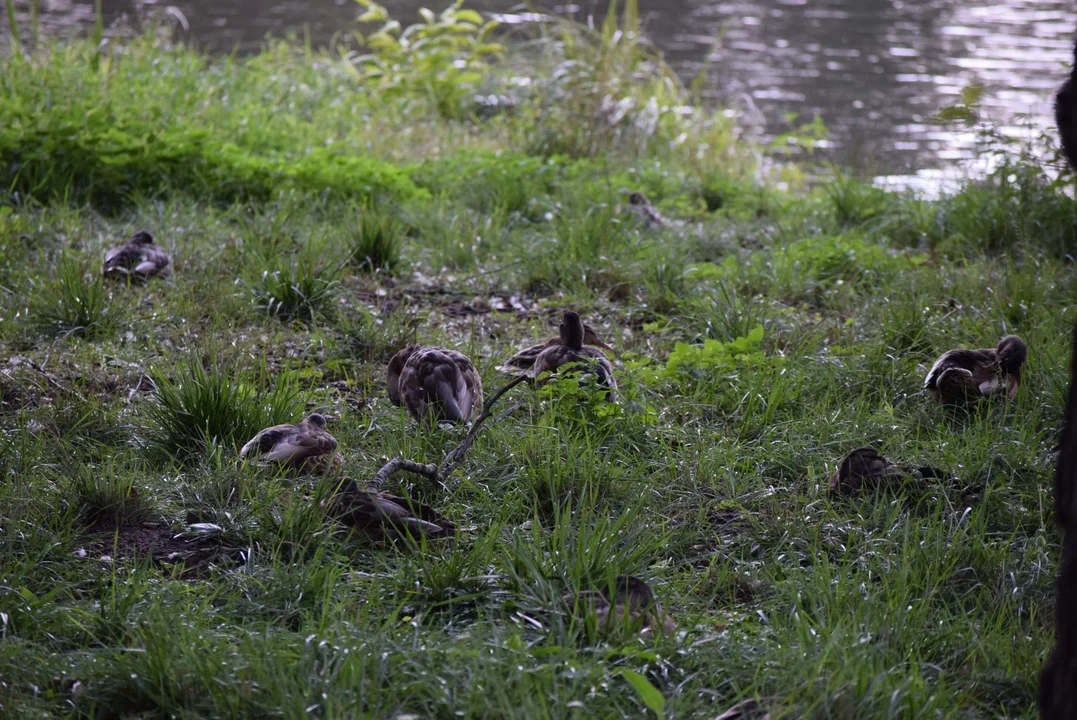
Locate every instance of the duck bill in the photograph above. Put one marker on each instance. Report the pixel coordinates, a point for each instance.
(1013, 382)
(602, 344)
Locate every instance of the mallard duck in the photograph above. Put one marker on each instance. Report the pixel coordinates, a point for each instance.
(383, 516)
(642, 208)
(1066, 115)
(632, 603)
(959, 376)
(433, 382)
(303, 448)
(522, 362)
(866, 468)
(570, 353)
(138, 259)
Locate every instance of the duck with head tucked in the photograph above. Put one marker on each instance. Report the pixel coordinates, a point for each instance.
(381, 516)
(523, 362)
(865, 469)
(631, 604)
(435, 383)
(963, 376)
(570, 354)
(138, 259)
(299, 449)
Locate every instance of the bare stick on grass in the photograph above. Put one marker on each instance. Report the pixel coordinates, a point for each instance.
(455, 457)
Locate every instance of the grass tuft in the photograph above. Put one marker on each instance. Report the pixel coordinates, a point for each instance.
(76, 302)
(208, 404)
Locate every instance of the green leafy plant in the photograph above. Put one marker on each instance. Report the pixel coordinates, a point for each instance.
(714, 355)
(445, 57)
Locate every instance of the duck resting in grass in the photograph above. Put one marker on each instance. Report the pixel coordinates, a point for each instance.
(962, 376)
(304, 448)
(381, 516)
(138, 259)
(632, 604)
(641, 207)
(570, 354)
(435, 383)
(523, 362)
(865, 469)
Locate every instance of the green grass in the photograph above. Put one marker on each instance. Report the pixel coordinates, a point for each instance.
(708, 478)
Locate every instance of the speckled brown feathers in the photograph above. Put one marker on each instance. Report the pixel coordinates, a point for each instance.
(138, 259)
(865, 469)
(642, 208)
(631, 603)
(435, 383)
(303, 448)
(570, 354)
(382, 516)
(523, 362)
(963, 376)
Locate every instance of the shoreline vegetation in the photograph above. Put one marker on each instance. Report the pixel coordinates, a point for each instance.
(460, 184)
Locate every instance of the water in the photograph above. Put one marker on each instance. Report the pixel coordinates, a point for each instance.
(876, 71)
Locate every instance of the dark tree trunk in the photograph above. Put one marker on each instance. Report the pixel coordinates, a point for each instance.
(1058, 682)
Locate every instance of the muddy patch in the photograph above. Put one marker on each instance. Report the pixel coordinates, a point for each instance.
(190, 549)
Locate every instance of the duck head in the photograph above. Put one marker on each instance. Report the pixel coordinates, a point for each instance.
(591, 338)
(571, 330)
(1012, 355)
(316, 419)
(142, 238)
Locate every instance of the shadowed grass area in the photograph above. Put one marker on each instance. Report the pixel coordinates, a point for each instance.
(759, 336)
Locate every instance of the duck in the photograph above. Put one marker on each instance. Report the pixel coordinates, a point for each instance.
(639, 205)
(300, 449)
(866, 468)
(522, 362)
(569, 352)
(632, 603)
(138, 259)
(435, 383)
(961, 376)
(381, 516)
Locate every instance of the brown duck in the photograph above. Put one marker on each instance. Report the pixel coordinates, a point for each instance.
(138, 259)
(382, 516)
(864, 468)
(522, 362)
(435, 383)
(303, 448)
(641, 207)
(570, 354)
(962, 376)
(632, 603)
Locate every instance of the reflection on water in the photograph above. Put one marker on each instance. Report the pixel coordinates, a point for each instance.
(877, 71)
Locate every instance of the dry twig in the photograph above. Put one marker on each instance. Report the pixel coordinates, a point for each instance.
(455, 457)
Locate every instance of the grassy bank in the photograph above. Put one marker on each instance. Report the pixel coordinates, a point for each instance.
(322, 215)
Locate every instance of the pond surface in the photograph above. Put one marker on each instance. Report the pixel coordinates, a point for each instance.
(876, 71)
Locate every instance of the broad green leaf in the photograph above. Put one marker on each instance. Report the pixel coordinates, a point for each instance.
(427, 15)
(469, 16)
(650, 695)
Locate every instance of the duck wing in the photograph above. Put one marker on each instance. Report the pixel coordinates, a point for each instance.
(154, 261)
(120, 259)
(523, 361)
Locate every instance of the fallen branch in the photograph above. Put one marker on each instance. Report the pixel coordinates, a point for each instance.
(455, 456)
(458, 453)
(397, 464)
